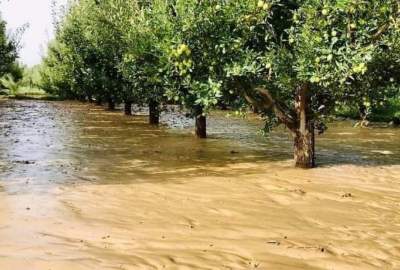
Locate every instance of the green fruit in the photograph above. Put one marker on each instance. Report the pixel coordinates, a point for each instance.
(295, 17)
(325, 12)
(315, 79)
(361, 68)
(179, 52)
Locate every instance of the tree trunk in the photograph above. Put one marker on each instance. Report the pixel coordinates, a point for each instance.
(304, 147)
(300, 121)
(154, 113)
(98, 102)
(111, 104)
(201, 123)
(304, 141)
(362, 109)
(363, 112)
(128, 107)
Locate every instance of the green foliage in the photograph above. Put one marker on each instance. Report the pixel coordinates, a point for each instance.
(145, 62)
(10, 84)
(8, 51)
(204, 53)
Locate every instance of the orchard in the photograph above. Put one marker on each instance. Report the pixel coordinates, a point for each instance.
(199, 134)
(292, 61)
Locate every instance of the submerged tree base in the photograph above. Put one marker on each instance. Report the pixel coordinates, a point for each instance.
(111, 105)
(128, 108)
(304, 150)
(201, 127)
(154, 113)
(200, 123)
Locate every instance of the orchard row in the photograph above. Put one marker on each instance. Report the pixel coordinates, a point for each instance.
(292, 61)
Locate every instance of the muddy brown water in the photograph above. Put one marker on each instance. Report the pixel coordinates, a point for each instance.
(83, 188)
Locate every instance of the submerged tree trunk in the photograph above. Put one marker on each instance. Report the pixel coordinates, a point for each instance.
(201, 123)
(82, 98)
(304, 138)
(98, 102)
(111, 104)
(304, 147)
(363, 112)
(154, 112)
(128, 107)
(299, 121)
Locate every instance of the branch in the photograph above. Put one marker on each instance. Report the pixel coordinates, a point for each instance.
(380, 31)
(265, 101)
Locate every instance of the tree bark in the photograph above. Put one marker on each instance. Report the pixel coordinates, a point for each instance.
(154, 112)
(304, 148)
(128, 107)
(201, 123)
(304, 139)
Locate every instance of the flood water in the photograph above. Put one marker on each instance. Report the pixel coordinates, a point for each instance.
(59, 142)
(83, 188)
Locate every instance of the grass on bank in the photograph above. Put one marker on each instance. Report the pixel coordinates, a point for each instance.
(32, 93)
(386, 113)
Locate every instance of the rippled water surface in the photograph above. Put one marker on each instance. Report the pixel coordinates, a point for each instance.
(84, 188)
(59, 142)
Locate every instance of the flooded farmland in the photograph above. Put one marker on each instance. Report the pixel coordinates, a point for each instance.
(84, 188)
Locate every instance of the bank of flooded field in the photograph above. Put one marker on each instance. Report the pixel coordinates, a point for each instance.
(82, 188)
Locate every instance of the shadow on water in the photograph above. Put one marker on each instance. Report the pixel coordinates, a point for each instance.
(63, 142)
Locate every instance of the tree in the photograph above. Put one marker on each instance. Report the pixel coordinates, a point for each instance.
(8, 50)
(377, 89)
(148, 36)
(197, 57)
(75, 67)
(331, 45)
